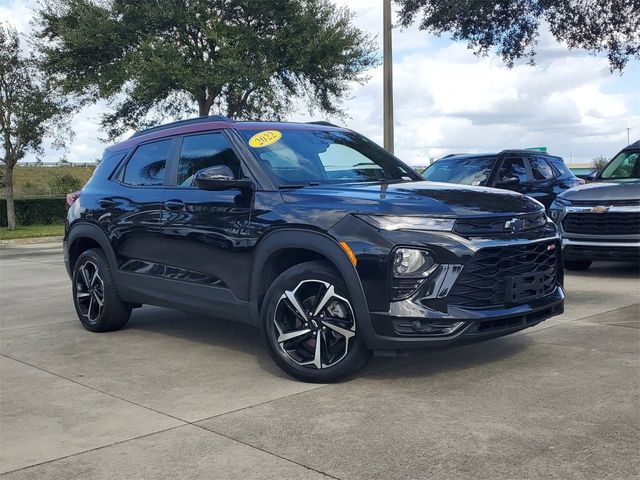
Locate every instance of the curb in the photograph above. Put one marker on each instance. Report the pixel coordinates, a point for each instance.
(30, 240)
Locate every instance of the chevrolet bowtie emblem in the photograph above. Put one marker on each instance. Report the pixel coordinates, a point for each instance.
(515, 224)
(600, 209)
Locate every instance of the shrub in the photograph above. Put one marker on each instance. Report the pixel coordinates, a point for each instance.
(31, 211)
(63, 184)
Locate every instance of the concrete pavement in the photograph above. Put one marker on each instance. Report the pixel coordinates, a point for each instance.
(182, 396)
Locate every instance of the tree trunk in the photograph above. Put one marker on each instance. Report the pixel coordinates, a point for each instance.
(11, 213)
(203, 107)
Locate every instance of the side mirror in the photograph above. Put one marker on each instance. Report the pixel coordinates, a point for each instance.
(219, 178)
(508, 182)
(592, 175)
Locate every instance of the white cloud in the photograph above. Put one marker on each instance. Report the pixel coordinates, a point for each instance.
(448, 100)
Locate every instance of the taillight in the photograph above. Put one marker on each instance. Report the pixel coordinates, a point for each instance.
(72, 197)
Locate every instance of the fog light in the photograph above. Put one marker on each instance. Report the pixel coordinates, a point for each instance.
(410, 262)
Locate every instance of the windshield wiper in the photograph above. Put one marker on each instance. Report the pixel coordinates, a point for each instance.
(298, 185)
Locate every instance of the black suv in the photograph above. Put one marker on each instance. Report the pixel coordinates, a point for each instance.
(601, 220)
(312, 232)
(536, 174)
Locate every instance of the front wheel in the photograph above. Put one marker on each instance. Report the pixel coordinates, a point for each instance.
(310, 326)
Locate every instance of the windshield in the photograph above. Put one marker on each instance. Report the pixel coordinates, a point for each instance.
(302, 157)
(624, 166)
(467, 171)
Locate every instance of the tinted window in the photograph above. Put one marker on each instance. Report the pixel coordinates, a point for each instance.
(513, 168)
(203, 151)
(468, 171)
(541, 169)
(624, 165)
(559, 166)
(323, 156)
(147, 164)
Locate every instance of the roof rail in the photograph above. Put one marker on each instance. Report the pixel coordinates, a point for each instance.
(324, 123)
(180, 123)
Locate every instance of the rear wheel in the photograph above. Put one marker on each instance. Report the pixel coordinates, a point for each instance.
(577, 265)
(310, 326)
(95, 297)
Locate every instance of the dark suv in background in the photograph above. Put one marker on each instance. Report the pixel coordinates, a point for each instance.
(312, 232)
(536, 174)
(601, 220)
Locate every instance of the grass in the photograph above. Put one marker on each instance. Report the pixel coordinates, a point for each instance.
(32, 231)
(36, 180)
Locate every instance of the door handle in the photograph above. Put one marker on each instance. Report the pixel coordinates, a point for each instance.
(106, 202)
(174, 205)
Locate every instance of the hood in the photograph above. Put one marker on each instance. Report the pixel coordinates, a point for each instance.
(603, 191)
(415, 198)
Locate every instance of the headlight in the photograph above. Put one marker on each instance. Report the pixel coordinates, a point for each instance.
(413, 263)
(410, 223)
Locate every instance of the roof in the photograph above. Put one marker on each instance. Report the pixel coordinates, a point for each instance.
(474, 156)
(201, 124)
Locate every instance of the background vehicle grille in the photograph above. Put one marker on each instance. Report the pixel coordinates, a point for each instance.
(615, 223)
(483, 281)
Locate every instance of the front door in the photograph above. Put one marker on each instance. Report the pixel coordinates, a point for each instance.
(512, 175)
(206, 231)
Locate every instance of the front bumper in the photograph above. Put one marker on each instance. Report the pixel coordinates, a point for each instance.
(594, 249)
(393, 330)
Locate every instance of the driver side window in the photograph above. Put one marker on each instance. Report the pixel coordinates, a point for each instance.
(204, 151)
(513, 168)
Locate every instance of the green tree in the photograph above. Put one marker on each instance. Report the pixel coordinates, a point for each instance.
(30, 110)
(512, 27)
(600, 162)
(64, 183)
(163, 58)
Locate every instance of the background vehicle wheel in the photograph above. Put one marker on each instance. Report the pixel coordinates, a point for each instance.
(309, 325)
(97, 302)
(577, 264)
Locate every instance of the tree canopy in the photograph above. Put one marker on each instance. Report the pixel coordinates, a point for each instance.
(163, 58)
(512, 26)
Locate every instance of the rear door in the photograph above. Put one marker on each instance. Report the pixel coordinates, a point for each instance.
(205, 232)
(130, 211)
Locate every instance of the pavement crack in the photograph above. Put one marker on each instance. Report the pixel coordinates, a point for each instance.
(185, 422)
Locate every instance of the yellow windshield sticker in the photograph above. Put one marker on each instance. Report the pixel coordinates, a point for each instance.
(264, 139)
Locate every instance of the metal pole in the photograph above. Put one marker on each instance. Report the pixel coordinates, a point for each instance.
(388, 77)
(628, 141)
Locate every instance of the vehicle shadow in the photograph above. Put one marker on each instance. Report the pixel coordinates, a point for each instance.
(206, 330)
(602, 270)
(228, 335)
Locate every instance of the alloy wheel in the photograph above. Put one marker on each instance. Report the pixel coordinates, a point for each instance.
(314, 324)
(90, 291)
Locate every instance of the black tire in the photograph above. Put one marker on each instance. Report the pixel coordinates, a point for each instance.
(577, 265)
(113, 314)
(308, 283)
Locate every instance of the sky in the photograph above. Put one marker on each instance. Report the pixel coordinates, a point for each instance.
(448, 100)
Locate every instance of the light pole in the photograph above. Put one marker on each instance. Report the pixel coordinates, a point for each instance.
(628, 141)
(388, 77)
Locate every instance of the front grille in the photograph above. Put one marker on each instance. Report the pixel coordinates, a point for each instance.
(613, 223)
(499, 225)
(615, 203)
(485, 279)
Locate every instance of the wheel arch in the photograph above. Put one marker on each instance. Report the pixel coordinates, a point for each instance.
(81, 237)
(320, 247)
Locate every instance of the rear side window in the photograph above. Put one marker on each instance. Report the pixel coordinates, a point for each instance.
(146, 166)
(541, 169)
(204, 151)
(513, 168)
(558, 164)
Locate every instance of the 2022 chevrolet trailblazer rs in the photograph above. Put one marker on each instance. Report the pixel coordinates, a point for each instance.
(328, 243)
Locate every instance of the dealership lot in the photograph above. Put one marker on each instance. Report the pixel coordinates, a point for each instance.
(182, 396)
